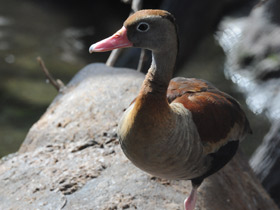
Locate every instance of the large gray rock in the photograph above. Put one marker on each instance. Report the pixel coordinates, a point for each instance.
(71, 159)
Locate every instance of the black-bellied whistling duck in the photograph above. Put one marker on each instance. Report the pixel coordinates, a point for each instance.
(175, 129)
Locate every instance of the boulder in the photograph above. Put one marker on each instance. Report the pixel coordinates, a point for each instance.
(71, 158)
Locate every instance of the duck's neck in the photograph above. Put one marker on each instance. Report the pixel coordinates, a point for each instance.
(151, 106)
(159, 75)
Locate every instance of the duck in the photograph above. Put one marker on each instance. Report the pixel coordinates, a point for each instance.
(176, 128)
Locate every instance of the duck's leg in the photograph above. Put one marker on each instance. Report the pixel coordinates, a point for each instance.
(191, 200)
(218, 160)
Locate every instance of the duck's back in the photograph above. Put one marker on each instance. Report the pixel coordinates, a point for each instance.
(217, 116)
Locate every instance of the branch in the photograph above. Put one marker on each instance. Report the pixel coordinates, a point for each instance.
(113, 57)
(58, 84)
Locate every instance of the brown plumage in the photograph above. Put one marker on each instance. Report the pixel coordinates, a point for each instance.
(176, 129)
(216, 114)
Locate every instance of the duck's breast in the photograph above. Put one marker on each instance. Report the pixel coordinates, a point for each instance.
(170, 150)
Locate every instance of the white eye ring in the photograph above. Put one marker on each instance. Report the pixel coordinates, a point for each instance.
(143, 27)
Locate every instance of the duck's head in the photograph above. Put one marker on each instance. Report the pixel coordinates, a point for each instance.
(149, 29)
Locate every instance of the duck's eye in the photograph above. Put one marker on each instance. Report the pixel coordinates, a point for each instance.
(143, 27)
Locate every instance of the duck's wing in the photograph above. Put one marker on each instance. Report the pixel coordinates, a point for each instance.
(217, 116)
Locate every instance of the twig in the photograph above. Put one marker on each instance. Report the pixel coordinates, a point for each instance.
(142, 59)
(58, 84)
(135, 6)
(113, 57)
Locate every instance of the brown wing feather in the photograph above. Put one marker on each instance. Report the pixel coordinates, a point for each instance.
(214, 112)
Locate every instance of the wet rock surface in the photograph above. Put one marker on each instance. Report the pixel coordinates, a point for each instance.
(253, 63)
(71, 159)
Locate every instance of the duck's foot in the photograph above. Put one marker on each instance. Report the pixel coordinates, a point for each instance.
(191, 200)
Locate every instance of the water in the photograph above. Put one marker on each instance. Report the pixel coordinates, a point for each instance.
(261, 95)
(59, 32)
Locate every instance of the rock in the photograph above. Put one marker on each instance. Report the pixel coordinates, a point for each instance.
(265, 162)
(71, 158)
